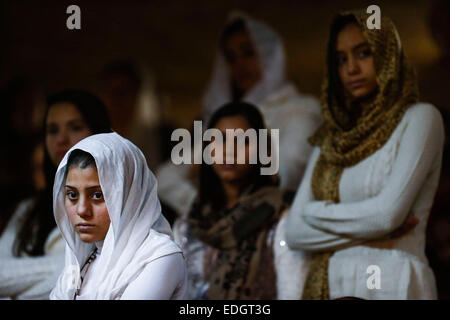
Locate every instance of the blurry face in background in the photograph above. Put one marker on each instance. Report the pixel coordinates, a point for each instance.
(65, 127)
(230, 173)
(243, 61)
(356, 67)
(85, 204)
(120, 95)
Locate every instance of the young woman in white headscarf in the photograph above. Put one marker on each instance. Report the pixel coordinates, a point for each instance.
(250, 67)
(118, 244)
(374, 170)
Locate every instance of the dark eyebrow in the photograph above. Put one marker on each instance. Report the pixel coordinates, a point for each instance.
(358, 46)
(88, 188)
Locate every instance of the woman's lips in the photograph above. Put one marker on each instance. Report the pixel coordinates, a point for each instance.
(85, 227)
(356, 84)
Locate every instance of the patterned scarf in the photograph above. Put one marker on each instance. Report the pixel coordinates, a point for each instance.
(348, 137)
(240, 234)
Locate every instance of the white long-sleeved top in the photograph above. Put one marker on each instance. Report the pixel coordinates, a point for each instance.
(29, 277)
(162, 279)
(296, 116)
(377, 195)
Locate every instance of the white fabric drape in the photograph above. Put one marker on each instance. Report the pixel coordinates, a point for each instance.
(28, 277)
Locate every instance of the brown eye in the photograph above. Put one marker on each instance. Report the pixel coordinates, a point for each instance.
(97, 196)
(71, 195)
(364, 53)
(76, 128)
(52, 129)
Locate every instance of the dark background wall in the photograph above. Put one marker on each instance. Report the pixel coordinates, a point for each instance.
(177, 39)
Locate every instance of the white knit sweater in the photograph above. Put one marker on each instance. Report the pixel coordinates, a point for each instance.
(28, 277)
(377, 195)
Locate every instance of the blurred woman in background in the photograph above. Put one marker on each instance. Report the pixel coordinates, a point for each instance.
(227, 237)
(31, 247)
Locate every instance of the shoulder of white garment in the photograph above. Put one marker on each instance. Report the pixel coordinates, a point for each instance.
(423, 110)
(55, 242)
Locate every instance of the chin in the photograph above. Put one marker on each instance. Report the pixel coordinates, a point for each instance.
(363, 92)
(360, 93)
(87, 238)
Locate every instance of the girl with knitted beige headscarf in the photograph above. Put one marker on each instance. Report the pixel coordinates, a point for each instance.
(374, 169)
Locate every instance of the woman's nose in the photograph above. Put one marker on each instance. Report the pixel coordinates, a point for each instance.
(83, 209)
(352, 66)
(62, 137)
(229, 153)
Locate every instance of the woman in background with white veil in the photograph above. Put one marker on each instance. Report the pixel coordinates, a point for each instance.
(250, 66)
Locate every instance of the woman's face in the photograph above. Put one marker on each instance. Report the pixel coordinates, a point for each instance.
(85, 204)
(65, 127)
(356, 67)
(234, 172)
(243, 61)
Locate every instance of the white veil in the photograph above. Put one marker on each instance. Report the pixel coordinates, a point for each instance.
(269, 48)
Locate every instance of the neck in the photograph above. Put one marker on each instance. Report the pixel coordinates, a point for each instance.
(232, 190)
(237, 93)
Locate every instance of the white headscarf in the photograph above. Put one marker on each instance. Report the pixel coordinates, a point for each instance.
(138, 233)
(269, 48)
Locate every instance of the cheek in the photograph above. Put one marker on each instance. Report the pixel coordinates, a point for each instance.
(369, 70)
(243, 169)
(253, 64)
(50, 145)
(101, 212)
(246, 151)
(70, 210)
(216, 169)
(342, 74)
(252, 151)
